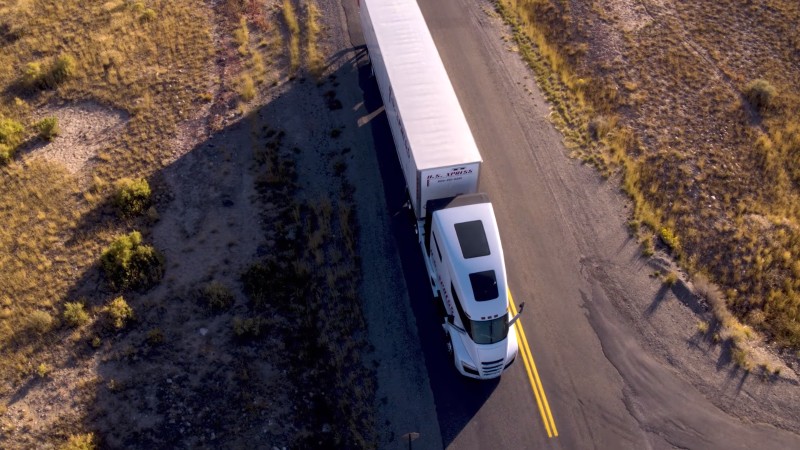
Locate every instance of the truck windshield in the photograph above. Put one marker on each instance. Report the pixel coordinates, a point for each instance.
(489, 331)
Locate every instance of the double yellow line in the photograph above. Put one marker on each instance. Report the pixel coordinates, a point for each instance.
(533, 374)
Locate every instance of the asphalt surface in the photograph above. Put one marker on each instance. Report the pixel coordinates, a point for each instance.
(571, 259)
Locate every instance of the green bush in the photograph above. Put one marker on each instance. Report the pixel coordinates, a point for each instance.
(760, 93)
(44, 370)
(48, 128)
(35, 76)
(128, 263)
(119, 313)
(668, 238)
(6, 153)
(131, 196)
(62, 69)
(75, 314)
(11, 132)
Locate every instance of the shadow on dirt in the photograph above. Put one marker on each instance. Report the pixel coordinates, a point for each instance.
(185, 375)
(682, 292)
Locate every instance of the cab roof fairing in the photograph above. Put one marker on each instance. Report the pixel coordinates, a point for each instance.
(461, 267)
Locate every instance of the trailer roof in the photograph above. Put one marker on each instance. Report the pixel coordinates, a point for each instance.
(435, 125)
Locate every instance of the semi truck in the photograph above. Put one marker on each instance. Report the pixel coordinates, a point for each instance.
(454, 222)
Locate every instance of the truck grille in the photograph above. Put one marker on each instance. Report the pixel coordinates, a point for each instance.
(492, 368)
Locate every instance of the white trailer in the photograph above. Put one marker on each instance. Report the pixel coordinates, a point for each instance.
(436, 149)
(441, 163)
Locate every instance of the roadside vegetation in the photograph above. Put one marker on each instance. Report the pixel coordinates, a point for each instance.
(76, 251)
(694, 108)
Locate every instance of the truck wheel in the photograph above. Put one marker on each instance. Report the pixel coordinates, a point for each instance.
(439, 306)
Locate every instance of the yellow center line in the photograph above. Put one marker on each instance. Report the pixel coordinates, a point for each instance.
(533, 374)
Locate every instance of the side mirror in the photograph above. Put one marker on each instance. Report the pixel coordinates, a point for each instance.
(449, 318)
(515, 318)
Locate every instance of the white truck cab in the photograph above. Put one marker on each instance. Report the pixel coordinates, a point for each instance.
(467, 269)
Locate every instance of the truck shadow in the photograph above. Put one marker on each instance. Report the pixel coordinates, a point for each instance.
(457, 398)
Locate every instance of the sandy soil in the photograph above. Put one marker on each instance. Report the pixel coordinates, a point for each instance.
(85, 129)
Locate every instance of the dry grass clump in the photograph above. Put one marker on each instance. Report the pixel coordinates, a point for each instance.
(290, 19)
(676, 100)
(80, 442)
(216, 296)
(255, 71)
(315, 63)
(731, 328)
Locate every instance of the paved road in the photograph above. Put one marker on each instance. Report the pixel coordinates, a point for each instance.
(571, 260)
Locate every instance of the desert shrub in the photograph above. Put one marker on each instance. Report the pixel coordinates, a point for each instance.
(11, 132)
(131, 196)
(760, 93)
(119, 313)
(6, 153)
(80, 442)
(671, 278)
(216, 296)
(668, 238)
(48, 128)
(249, 327)
(33, 75)
(43, 370)
(155, 337)
(711, 293)
(148, 15)
(40, 321)
(75, 314)
(247, 88)
(137, 7)
(599, 126)
(128, 263)
(62, 69)
(36, 76)
(741, 357)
